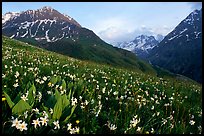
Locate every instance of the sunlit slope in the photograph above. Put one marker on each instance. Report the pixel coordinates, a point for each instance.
(94, 98)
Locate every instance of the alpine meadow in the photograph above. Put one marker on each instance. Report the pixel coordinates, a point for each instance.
(59, 77)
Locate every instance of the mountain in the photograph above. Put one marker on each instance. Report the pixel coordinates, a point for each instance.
(141, 45)
(181, 50)
(159, 37)
(51, 30)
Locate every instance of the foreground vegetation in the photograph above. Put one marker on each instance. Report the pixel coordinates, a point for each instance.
(44, 92)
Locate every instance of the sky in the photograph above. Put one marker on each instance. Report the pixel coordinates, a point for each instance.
(117, 21)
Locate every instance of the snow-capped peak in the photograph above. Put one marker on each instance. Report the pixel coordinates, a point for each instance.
(47, 8)
(8, 16)
(67, 16)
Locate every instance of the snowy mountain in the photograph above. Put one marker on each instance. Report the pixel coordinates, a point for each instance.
(141, 45)
(39, 24)
(181, 50)
(49, 29)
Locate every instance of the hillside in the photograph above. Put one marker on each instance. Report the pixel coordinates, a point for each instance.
(181, 50)
(48, 93)
(49, 29)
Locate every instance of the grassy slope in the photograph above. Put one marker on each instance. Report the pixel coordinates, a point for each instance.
(139, 87)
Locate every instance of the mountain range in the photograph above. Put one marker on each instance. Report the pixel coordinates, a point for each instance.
(141, 45)
(181, 50)
(49, 29)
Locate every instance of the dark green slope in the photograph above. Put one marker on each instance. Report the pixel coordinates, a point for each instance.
(128, 60)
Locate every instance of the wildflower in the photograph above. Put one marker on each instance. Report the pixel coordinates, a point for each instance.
(37, 80)
(77, 121)
(77, 130)
(111, 126)
(49, 92)
(17, 74)
(164, 121)
(115, 93)
(39, 96)
(56, 123)
(23, 126)
(44, 120)
(69, 126)
(45, 114)
(138, 129)
(24, 98)
(152, 130)
(80, 98)
(44, 78)
(51, 111)
(26, 114)
(86, 102)
(146, 132)
(74, 101)
(3, 99)
(49, 84)
(134, 121)
(57, 86)
(72, 131)
(36, 122)
(36, 110)
(191, 122)
(103, 90)
(15, 85)
(15, 123)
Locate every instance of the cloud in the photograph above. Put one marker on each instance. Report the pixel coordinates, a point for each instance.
(115, 34)
(195, 5)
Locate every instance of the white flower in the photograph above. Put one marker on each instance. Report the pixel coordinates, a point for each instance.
(17, 74)
(152, 130)
(113, 127)
(74, 101)
(72, 131)
(44, 78)
(115, 93)
(60, 87)
(134, 122)
(15, 123)
(45, 114)
(24, 98)
(56, 123)
(164, 121)
(51, 111)
(191, 122)
(152, 107)
(44, 120)
(26, 114)
(77, 130)
(69, 126)
(36, 122)
(138, 129)
(39, 96)
(103, 90)
(86, 102)
(37, 80)
(36, 110)
(16, 85)
(23, 126)
(49, 92)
